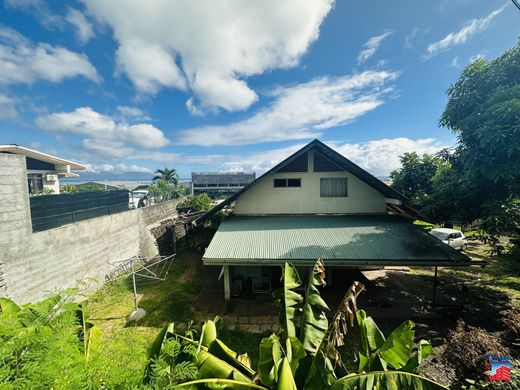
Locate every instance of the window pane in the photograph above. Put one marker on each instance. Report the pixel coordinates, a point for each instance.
(280, 182)
(333, 188)
(294, 182)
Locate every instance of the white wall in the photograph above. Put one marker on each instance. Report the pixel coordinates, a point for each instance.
(54, 186)
(263, 198)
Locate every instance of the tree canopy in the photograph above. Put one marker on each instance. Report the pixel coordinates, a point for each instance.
(169, 175)
(484, 111)
(415, 178)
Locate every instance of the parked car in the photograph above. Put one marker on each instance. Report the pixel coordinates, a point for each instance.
(454, 238)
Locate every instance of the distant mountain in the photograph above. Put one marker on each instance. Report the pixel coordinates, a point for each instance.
(109, 176)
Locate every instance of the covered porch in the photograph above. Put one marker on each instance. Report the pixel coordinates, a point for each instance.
(251, 249)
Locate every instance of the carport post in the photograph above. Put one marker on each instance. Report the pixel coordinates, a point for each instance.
(434, 287)
(227, 289)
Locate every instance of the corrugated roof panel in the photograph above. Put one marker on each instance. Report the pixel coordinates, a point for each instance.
(345, 239)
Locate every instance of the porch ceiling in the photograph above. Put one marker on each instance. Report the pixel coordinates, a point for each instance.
(341, 240)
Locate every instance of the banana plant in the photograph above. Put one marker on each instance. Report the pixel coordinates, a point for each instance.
(392, 353)
(216, 365)
(89, 335)
(305, 353)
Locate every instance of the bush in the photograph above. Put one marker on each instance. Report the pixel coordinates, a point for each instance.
(195, 203)
(466, 349)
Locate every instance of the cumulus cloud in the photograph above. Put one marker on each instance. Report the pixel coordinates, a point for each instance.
(379, 157)
(23, 61)
(132, 113)
(300, 112)
(84, 29)
(472, 27)
(104, 135)
(209, 47)
(117, 168)
(371, 46)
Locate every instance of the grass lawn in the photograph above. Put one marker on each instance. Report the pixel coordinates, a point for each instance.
(174, 300)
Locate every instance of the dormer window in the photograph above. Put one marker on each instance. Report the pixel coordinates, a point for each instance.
(282, 183)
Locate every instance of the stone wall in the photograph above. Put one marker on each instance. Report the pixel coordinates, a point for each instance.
(35, 265)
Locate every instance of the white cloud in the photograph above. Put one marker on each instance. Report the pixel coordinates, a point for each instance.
(371, 46)
(379, 157)
(209, 47)
(104, 134)
(300, 112)
(84, 29)
(460, 37)
(7, 107)
(22, 61)
(455, 62)
(132, 113)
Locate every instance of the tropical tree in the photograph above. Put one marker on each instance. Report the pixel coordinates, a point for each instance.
(169, 175)
(415, 177)
(305, 354)
(162, 190)
(484, 111)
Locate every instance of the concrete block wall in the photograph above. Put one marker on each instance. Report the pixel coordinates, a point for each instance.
(35, 265)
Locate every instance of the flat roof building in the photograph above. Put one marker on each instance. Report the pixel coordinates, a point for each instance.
(220, 184)
(44, 171)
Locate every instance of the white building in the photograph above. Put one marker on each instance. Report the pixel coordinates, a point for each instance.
(317, 204)
(43, 170)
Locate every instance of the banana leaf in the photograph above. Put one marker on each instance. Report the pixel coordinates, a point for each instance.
(386, 380)
(398, 345)
(314, 321)
(270, 356)
(424, 350)
(89, 335)
(285, 377)
(210, 366)
(218, 383)
(93, 344)
(222, 351)
(289, 300)
(208, 333)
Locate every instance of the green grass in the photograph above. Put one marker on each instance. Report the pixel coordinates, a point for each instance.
(501, 272)
(173, 300)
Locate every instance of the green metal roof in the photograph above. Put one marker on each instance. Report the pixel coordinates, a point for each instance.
(353, 240)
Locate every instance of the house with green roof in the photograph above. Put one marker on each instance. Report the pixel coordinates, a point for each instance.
(317, 203)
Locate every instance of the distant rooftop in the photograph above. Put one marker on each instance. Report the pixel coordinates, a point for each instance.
(17, 149)
(238, 178)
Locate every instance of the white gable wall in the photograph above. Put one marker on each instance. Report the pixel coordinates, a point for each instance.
(264, 198)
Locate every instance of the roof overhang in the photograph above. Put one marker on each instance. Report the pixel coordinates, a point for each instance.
(341, 240)
(61, 164)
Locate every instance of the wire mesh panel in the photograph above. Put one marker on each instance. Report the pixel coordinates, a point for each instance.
(52, 211)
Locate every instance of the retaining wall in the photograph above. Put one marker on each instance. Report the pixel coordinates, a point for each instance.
(35, 265)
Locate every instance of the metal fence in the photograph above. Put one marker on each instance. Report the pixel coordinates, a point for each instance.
(52, 211)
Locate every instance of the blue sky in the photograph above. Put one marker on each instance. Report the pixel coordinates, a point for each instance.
(237, 85)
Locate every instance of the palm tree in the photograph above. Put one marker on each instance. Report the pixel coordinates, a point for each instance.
(168, 175)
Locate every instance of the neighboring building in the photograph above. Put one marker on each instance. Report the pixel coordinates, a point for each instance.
(218, 184)
(317, 203)
(95, 186)
(43, 170)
